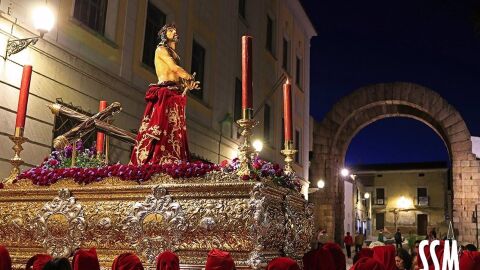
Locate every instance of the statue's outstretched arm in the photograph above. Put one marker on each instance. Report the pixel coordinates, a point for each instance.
(165, 57)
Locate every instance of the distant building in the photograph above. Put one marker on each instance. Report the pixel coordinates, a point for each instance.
(411, 196)
(104, 50)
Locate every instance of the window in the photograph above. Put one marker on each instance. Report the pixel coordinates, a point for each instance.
(380, 200)
(266, 123)
(270, 36)
(242, 8)
(422, 197)
(297, 146)
(285, 55)
(298, 72)
(155, 21)
(92, 13)
(237, 110)
(198, 66)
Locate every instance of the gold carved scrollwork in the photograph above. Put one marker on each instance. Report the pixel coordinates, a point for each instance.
(156, 224)
(60, 225)
(105, 229)
(216, 223)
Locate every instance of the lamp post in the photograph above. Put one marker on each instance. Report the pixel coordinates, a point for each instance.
(257, 146)
(43, 21)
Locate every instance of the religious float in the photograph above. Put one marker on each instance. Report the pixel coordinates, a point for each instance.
(248, 207)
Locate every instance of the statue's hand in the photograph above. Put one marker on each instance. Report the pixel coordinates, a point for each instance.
(190, 85)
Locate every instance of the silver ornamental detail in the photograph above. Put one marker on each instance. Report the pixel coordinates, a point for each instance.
(60, 225)
(156, 224)
(267, 232)
(298, 228)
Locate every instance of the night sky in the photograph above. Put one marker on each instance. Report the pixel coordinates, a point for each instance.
(429, 42)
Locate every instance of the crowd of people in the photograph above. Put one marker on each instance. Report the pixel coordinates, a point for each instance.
(86, 259)
(325, 256)
(381, 256)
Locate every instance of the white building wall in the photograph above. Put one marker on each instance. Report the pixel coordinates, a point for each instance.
(82, 67)
(348, 224)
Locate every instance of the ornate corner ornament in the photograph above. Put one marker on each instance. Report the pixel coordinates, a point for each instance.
(298, 228)
(267, 231)
(60, 225)
(156, 224)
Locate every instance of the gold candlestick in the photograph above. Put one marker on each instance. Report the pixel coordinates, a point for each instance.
(289, 152)
(245, 149)
(16, 161)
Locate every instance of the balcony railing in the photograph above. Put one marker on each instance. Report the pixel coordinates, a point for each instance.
(422, 201)
(379, 201)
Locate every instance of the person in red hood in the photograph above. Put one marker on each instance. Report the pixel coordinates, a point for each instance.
(319, 259)
(386, 256)
(366, 263)
(283, 263)
(85, 260)
(348, 241)
(470, 260)
(38, 261)
(5, 260)
(168, 260)
(337, 255)
(363, 253)
(127, 261)
(219, 260)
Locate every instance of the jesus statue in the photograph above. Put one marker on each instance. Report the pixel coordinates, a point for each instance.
(162, 137)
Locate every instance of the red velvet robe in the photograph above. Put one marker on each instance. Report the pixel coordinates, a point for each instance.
(162, 137)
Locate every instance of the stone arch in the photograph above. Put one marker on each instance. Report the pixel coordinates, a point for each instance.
(366, 105)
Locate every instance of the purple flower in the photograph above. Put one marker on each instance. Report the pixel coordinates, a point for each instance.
(68, 151)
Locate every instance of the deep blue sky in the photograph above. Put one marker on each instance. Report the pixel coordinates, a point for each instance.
(429, 42)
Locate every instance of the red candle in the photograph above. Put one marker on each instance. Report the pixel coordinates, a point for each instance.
(23, 98)
(100, 135)
(287, 110)
(246, 73)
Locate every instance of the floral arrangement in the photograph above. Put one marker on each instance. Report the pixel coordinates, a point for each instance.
(44, 176)
(89, 169)
(261, 168)
(86, 158)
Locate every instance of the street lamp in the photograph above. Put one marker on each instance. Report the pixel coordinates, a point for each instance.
(43, 21)
(344, 172)
(258, 145)
(321, 183)
(403, 203)
(366, 195)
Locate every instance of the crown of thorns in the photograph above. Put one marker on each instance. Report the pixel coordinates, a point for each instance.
(162, 34)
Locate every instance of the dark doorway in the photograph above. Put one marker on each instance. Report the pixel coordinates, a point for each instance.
(422, 223)
(380, 221)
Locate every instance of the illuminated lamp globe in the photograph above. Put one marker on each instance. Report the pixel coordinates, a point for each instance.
(258, 145)
(366, 195)
(321, 183)
(43, 19)
(403, 203)
(344, 172)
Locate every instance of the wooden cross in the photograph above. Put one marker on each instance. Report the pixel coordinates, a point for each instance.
(89, 124)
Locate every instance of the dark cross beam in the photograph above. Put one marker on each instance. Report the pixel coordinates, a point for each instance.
(89, 124)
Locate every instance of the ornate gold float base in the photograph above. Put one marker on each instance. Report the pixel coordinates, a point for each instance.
(255, 221)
